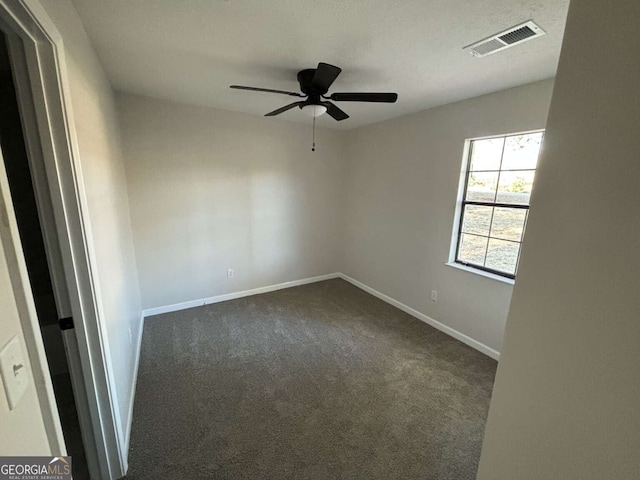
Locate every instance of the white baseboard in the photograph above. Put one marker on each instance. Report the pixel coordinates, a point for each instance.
(426, 319)
(231, 296)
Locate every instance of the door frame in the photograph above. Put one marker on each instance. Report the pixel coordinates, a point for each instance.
(46, 216)
(44, 57)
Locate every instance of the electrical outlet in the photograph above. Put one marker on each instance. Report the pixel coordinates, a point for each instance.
(230, 273)
(434, 296)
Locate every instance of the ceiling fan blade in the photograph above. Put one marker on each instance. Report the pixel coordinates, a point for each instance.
(365, 97)
(268, 90)
(283, 109)
(335, 112)
(325, 75)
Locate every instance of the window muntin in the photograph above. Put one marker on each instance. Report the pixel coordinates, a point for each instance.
(495, 205)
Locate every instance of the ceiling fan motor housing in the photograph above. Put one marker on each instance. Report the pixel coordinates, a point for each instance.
(305, 78)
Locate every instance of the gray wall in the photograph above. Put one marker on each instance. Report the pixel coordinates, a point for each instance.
(565, 403)
(402, 186)
(212, 190)
(103, 180)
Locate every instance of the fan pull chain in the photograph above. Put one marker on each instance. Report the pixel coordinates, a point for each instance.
(313, 147)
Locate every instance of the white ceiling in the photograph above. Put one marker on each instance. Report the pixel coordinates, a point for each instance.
(191, 50)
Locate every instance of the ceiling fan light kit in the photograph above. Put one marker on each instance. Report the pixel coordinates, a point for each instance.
(314, 85)
(313, 110)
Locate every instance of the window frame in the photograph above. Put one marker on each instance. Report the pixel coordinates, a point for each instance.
(462, 203)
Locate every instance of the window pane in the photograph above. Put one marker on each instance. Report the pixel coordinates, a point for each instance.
(521, 152)
(472, 249)
(482, 186)
(501, 171)
(486, 154)
(508, 223)
(477, 219)
(515, 187)
(502, 256)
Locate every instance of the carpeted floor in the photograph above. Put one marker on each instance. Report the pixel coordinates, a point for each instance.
(321, 381)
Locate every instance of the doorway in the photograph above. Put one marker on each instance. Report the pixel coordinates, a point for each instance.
(38, 61)
(25, 204)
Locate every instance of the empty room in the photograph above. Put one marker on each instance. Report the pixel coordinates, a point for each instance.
(313, 240)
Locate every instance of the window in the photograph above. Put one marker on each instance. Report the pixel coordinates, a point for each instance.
(498, 178)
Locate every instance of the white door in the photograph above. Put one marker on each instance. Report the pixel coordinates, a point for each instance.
(29, 418)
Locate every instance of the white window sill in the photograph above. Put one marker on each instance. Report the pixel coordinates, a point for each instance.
(482, 273)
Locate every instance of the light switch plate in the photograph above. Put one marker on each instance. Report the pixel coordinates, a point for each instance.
(13, 368)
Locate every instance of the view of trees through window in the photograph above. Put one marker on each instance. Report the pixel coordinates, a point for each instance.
(499, 180)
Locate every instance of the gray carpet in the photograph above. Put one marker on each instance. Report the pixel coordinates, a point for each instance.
(320, 381)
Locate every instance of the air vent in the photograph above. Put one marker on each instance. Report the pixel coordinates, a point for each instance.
(508, 38)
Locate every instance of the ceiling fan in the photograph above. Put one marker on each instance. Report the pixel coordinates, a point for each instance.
(314, 84)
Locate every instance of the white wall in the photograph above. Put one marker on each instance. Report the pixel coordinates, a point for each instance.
(565, 403)
(211, 190)
(402, 186)
(104, 181)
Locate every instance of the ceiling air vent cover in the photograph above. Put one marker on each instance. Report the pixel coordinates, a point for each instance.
(508, 38)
